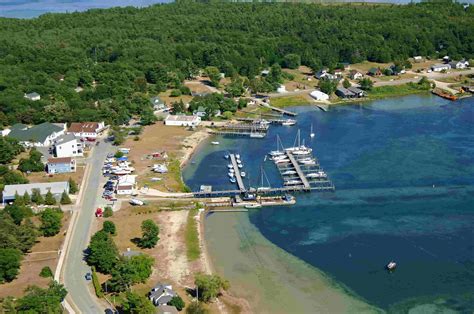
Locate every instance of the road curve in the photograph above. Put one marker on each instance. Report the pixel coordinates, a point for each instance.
(75, 267)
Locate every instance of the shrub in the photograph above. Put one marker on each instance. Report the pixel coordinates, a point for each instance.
(73, 189)
(65, 200)
(97, 287)
(108, 212)
(46, 272)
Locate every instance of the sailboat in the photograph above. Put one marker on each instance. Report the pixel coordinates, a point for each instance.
(278, 152)
(312, 133)
(262, 188)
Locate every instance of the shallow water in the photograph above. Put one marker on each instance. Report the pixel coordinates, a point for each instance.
(404, 174)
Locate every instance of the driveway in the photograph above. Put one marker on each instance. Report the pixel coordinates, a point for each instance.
(80, 290)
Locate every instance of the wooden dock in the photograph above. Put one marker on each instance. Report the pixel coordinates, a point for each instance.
(298, 170)
(238, 177)
(254, 120)
(280, 110)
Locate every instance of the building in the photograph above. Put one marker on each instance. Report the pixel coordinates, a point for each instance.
(68, 146)
(355, 75)
(5, 132)
(344, 93)
(158, 104)
(200, 112)
(463, 64)
(324, 74)
(56, 188)
(440, 67)
(446, 59)
(357, 91)
(418, 59)
(182, 120)
(319, 95)
(265, 72)
(161, 294)
(374, 72)
(61, 165)
(86, 129)
(126, 185)
(32, 96)
(41, 135)
(166, 309)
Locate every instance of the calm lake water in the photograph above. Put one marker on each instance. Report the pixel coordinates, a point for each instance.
(404, 175)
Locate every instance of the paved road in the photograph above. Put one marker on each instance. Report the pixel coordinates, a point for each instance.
(75, 268)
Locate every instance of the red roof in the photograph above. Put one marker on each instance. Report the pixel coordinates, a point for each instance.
(61, 160)
(88, 127)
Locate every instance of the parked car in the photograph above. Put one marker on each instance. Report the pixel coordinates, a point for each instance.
(88, 276)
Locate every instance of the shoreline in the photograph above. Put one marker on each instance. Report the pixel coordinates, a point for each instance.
(190, 144)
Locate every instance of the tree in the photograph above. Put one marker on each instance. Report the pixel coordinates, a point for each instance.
(327, 86)
(236, 87)
(9, 264)
(150, 233)
(102, 252)
(46, 272)
(292, 61)
(73, 189)
(214, 75)
(109, 227)
(346, 83)
(178, 107)
(130, 271)
(196, 307)
(38, 300)
(36, 197)
(65, 200)
(147, 117)
(108, 212)
(26, 198)
(21, 237)
(51, 221)
(9, 149)
(274, 77)
(177, 302)
(366, 84)
(33, 163)
(209, 286)
(49, 199)
(137, 304)
(18, 212)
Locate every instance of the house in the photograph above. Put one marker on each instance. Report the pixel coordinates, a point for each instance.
(319, 95)
(324, 74)
(32, 96)
(446, 59)
(282, 89)
(418, 59)
(357, 91)
(265, 72)
(166, 309)
(440, 67)
(5, 132)
(200, 112)
(355, 75)
(182, 120)
(41, 135)
(157, 103)
(126, 185)
(459, 64)
(338, 72)
(86, 129)
(374, 72)
(344, 93)
(161, 294)
(61, 165)
(67, 146)
(56, 188)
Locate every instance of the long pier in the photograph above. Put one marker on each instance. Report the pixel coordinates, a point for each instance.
(298, 170)
(254, 120)
(238, 177)
(283, 111)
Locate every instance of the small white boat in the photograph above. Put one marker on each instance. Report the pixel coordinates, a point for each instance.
(263, 188)
(282, 161)
(252, 206)
(257, 135)
(215, 143)
(391, 266)
(136, 202)
(292, 182)
(301, 152)
(316, 175)
(312, 133)
(279, 157)
(240, 166)
(232, 180)
(230, 166)
(230, 174)
(274, 153)
(308, 162)
(238, 161)
(243, 174)
(237, 156)
(289, 122)
(231, 170)
(226, 156)
(288, 172)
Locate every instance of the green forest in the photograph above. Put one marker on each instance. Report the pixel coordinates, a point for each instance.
(120, 57)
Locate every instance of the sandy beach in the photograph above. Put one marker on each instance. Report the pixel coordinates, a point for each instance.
(190, 144)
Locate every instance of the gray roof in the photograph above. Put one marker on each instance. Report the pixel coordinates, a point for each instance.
(37, 133)
(65, 138)
(356, 90)
(31, 95)
(55, 188)
(344, 91)
(167, 309)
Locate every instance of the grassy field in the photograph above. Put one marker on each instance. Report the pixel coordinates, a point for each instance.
(192, 237)
(288, 101)
(395, 90)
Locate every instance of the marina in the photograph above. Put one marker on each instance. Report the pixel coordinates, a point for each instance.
(253, 130)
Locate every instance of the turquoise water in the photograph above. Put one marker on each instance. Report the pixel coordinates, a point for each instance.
(404, 174)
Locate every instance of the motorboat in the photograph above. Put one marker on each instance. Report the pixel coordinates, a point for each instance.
(308, 162)
(226, 156)
(302, 152)
(232, 180)
(292, 182)
(282, 161)
(240, 166)
(136, 202)
(275, 153)
(230, 166)
(237, 156)
(289, 122)
(288, 172)
(243, 174)
(311, 134)
(231, 174)
(215, 143)
(257, 135)
(253, 206)
(391, 266)
(317, 175)
(263, 188)
(231, 170)
(238, 161)
(279, 157)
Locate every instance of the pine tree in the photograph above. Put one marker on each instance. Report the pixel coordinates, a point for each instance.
(36, 197)
(49, 199)
(26, 198)
(73, 189)
(65, 200)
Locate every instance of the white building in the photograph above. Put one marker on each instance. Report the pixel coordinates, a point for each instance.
(67, 146)
(32, 96)
(319, 95)
(463, 64)
(181, 120)
(87, 129)
(440, 67)
(5, 132)
(56, 188)
(41, 135)
(126, 185)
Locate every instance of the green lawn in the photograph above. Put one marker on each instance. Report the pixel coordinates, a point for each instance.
(395, 90)
(192, 236)
(289, 101)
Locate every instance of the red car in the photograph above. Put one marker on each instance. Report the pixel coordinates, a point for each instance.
(99, 212)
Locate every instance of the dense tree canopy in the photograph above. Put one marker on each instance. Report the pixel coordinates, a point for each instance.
(121, 55)
(102, 252)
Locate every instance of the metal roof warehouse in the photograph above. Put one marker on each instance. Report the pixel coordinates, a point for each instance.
(56, 188)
